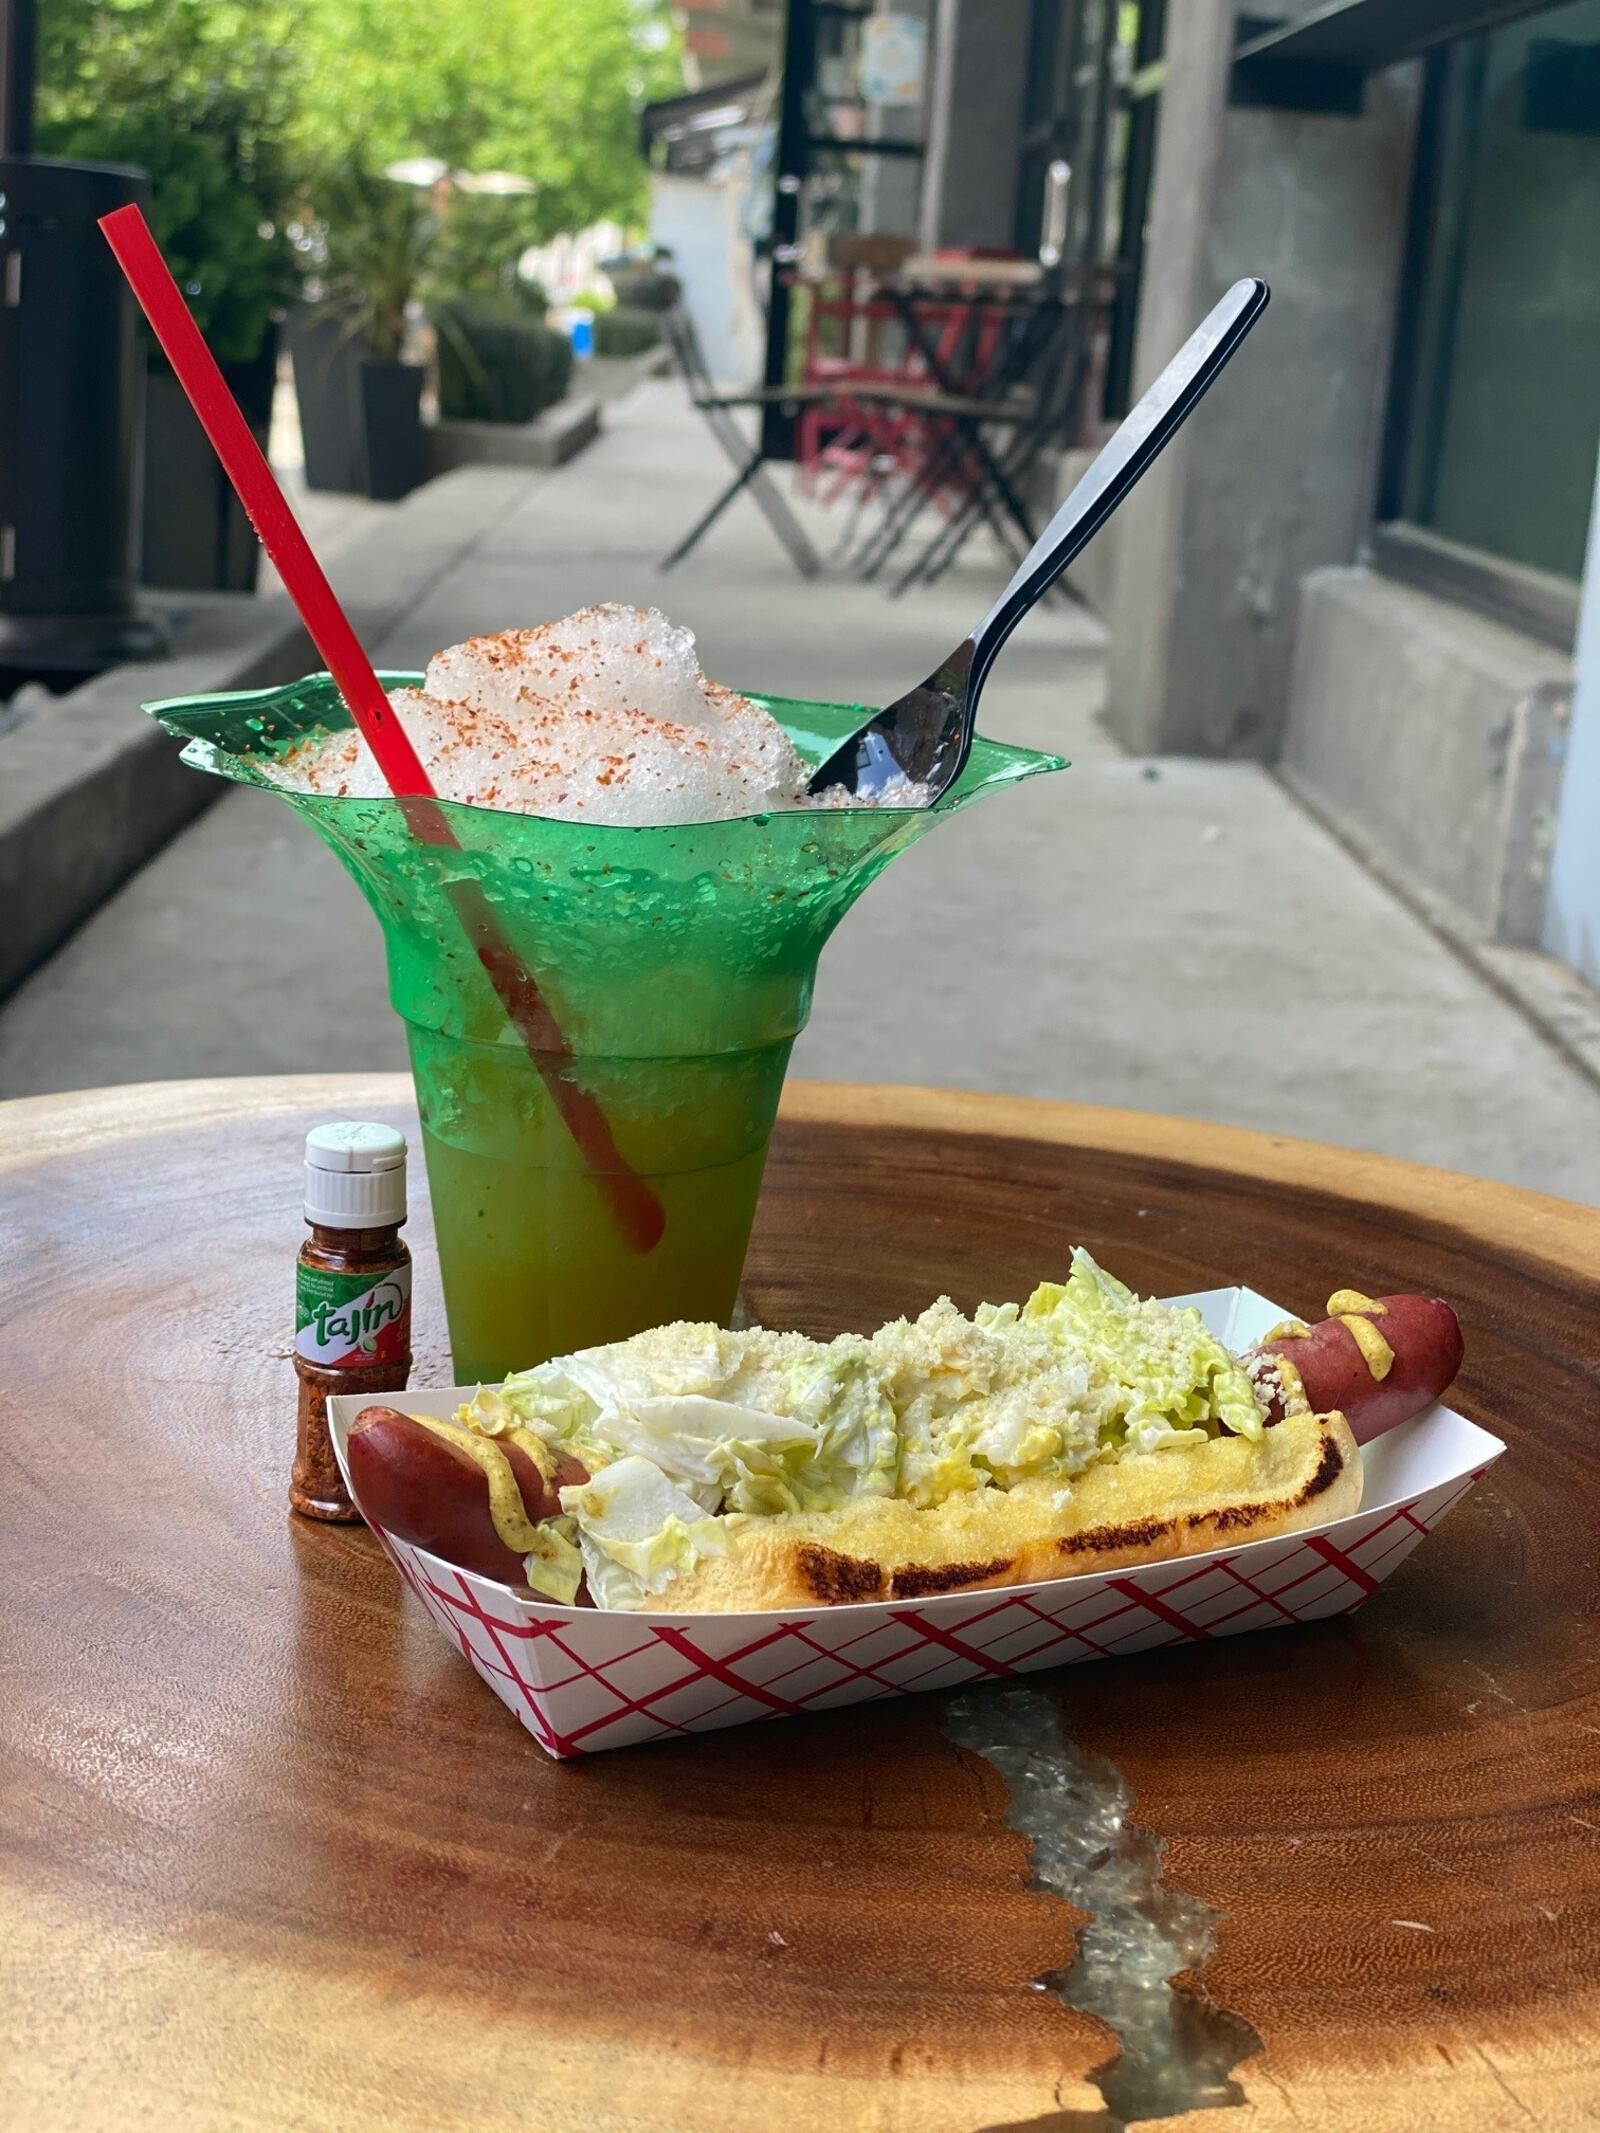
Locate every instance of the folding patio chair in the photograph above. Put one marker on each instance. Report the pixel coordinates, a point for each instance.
(746, 458)
(1059, 367)
(1005, 392)
(948, 412)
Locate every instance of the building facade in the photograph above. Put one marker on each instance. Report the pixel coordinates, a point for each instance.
(1365, 563)
(724, 39)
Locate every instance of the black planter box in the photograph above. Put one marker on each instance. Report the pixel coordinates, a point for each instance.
(196, 536)
(360, 422)
(327, 390)
(391, 407)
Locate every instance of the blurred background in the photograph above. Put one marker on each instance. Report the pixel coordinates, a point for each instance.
(797, 318)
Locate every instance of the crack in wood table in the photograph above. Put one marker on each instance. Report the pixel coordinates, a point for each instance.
(271, 1857)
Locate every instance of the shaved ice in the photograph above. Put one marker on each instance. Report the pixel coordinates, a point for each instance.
(604, 716)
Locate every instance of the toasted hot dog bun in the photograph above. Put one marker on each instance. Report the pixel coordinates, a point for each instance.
(1143, 1508)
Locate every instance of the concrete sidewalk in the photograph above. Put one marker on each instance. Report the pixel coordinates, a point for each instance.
(1173, 935)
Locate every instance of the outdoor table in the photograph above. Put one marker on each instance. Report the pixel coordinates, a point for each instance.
(1023, 364)
(944, 270)
(274, 1857)
(983, 375)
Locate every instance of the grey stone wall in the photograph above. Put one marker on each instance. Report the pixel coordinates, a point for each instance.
(1433, 739)
(1273, 476)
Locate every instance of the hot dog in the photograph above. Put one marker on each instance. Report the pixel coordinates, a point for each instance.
(435, 1484)
(1377, 1360)
(485, 1492)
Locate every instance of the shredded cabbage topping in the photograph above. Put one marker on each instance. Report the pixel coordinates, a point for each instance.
(685, 1425)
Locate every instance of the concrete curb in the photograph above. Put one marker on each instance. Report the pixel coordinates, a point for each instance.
(550, 440)
(91, 789)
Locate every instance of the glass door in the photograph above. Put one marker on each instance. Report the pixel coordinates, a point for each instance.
(1088, 146)
(1061, 182)
(849, 145)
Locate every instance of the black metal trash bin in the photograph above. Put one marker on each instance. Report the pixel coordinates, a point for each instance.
(71, 427)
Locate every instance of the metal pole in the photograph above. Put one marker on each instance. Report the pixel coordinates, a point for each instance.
(794, 161)
(16, 77)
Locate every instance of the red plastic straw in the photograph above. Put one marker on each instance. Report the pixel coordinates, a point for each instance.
(639, 1213)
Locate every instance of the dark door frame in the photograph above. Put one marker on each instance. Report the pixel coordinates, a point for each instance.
(798, 152)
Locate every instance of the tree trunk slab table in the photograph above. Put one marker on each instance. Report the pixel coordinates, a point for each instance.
(273, 1858)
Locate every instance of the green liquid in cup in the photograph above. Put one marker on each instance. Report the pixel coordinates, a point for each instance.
(678, 962)
(534, 1264)
(534, 1260)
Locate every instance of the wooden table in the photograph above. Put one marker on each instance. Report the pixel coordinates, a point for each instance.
(273, 1857)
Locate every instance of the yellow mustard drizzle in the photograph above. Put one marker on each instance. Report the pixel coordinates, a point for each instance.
(506, 1508)
(1288, 1329)
(537, 1450)
(1343, 1301)
(1379, 1355)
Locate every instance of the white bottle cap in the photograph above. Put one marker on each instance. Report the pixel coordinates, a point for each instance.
(355, 1175)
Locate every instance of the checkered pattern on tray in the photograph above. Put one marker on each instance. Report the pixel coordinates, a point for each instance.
(590, 1680)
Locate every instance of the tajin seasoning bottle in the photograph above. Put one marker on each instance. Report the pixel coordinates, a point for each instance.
(352, 1295)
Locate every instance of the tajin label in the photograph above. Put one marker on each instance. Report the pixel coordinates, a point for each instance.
(349, 1321)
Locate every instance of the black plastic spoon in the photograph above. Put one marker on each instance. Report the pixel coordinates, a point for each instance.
(926, 735)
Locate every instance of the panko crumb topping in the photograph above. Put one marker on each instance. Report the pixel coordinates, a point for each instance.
(1276, 1383)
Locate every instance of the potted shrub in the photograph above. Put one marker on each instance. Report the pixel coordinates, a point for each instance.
(360, 400)
(327, 391)
(645, 281)
(497, 359)
(626, 330)
(496, 363)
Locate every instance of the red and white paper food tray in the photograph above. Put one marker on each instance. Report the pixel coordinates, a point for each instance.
(580, 1679)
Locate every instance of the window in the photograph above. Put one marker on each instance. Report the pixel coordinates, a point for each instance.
(1495, 420)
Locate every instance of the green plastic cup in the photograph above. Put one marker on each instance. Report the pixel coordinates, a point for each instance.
(678, 963)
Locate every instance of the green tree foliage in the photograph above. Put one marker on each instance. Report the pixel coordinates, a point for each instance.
(200, 94)
(547, 88)
(477, 248)
(239, 112)
(218, 71)
(378, 237)
(209, 229)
